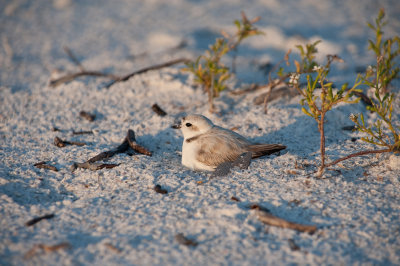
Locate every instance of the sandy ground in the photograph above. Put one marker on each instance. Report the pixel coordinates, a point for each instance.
(114, 216)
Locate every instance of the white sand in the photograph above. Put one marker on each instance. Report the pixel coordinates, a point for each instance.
(113, 216)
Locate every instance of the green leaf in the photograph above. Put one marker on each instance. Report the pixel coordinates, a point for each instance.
(362, 119)
(237, 23)
(306, 112)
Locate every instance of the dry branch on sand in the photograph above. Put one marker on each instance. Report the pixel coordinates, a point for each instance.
(129, 142)
(267, 218)
(38, 219)
(44, 165)
(181, 239)
(62, 143)
(115, 78)
(159, 189)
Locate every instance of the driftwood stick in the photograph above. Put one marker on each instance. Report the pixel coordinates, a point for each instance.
(123, 147)
(130, 137)
(143, 70)
(182, 239)
(62, 143)
(38, 219)
(56, 82)
(129, 141)
(357, 154)
(82, 132)
(44, 165)
(93, 166)
(273, 220)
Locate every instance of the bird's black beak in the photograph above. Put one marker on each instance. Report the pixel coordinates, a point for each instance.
(176, 126)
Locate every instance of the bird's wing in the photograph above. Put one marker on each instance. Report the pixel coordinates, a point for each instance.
(219, 146)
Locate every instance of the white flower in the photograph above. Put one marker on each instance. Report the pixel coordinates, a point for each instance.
(317, 68)
(353, 117)
(294, 78)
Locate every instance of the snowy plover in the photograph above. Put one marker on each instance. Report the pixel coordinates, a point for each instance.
(206, 146)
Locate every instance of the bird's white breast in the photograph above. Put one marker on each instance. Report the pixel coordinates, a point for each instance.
(189, 154)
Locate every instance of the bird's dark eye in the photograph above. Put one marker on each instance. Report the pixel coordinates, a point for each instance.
(188, 124)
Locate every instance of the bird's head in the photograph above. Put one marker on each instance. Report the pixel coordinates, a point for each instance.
(193, 125)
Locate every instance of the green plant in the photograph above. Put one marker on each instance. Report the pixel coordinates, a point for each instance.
(382, 132)
(386, 68)
(307, 63)
(208, 70)
(316, 105)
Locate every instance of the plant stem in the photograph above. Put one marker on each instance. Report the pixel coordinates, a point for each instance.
(322, 143)
(358, 154)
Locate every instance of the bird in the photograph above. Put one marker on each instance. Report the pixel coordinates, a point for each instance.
(206, 146)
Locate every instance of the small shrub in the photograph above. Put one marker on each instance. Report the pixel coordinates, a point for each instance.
(382, 132)
(317, 105)
(208, 70)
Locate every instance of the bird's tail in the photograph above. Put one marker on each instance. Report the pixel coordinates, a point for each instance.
(259, 150)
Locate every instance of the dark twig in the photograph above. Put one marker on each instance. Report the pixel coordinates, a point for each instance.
(181, 239)
(134, 145)
(88, 116)
(69, 77)
(73, 58)
(123, 147)
(159, 189)
(38, 219)
(157, 109)
(129, 141)
(62, 143)
(93, 166)
(44, 165)
(357, 154)
(82, 132)
(235, 199)
(143, 70)
(64, 79)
